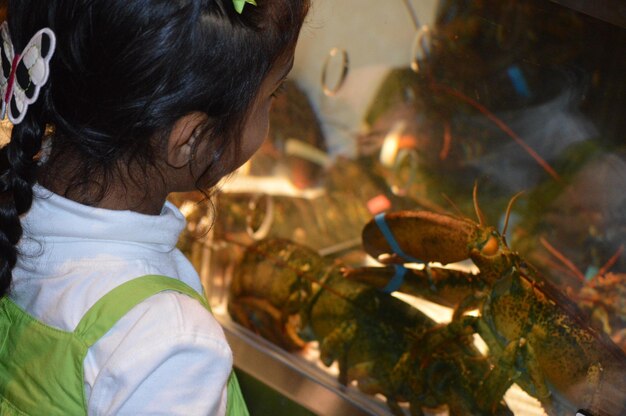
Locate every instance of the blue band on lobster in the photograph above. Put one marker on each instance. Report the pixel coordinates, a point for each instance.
(397, 279)
(382, 226)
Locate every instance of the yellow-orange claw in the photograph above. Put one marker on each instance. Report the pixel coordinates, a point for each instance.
(423, 235)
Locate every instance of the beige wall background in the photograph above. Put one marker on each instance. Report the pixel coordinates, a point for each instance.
(377, 35)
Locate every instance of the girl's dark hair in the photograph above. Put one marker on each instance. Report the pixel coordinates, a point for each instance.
(123, 72)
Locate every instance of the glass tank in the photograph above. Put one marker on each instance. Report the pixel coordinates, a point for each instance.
(436, 222)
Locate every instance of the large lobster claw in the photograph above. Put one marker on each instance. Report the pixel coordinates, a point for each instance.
(420, 236)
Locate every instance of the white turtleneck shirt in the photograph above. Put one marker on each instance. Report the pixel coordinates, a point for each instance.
(168, 355)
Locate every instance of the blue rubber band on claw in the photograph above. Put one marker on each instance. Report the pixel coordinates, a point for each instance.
(395, 247)
(397, 279)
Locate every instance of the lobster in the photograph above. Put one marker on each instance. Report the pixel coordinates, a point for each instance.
(537, 337)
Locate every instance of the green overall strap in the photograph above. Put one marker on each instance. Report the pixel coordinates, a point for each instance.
(235, 403)
(109, 309)
(101, 317)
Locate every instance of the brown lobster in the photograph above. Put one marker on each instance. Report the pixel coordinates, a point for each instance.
(536, 336)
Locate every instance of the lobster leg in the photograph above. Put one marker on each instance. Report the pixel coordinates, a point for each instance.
(542, 393)
(335, 346)
(368, 384)
(500, 379)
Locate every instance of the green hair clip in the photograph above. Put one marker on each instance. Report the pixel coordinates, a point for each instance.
(240, 3)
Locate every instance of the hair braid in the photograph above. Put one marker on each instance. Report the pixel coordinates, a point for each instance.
(18, 167)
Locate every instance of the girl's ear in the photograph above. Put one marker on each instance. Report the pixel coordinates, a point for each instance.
(182, 138)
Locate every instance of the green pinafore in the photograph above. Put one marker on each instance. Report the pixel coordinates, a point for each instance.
(41, 367)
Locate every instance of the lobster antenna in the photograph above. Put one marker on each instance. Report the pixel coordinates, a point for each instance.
(479, 213)
(610, 263)
(564, 260)
(452, 204)
(508, 211)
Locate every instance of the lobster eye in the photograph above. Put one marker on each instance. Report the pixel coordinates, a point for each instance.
(491, 246)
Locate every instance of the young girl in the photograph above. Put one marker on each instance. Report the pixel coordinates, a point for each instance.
(115, 104)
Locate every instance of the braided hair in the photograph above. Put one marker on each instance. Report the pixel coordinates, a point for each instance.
(122, 73)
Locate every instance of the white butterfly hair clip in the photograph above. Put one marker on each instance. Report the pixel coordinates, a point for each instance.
(23, 75)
